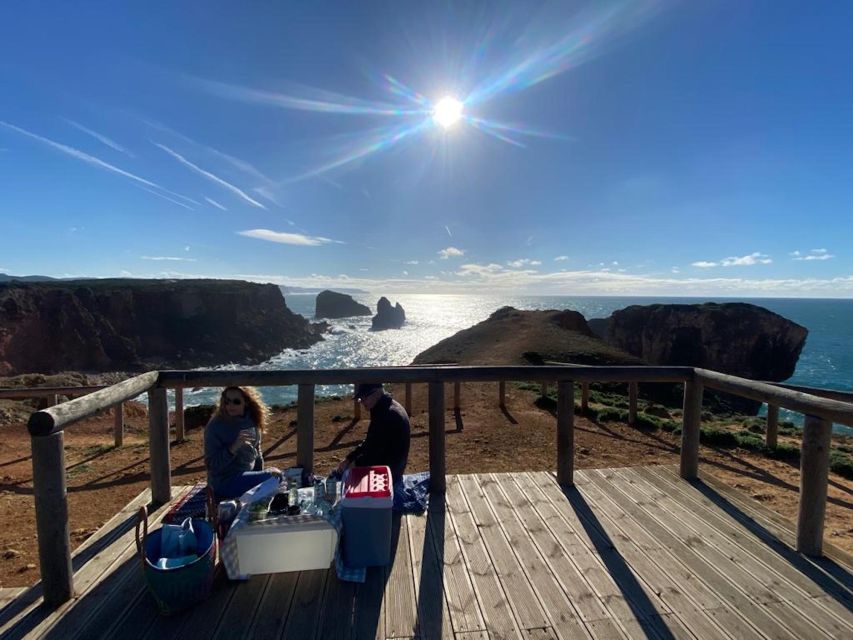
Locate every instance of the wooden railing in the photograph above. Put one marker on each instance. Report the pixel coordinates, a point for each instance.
(46, 428)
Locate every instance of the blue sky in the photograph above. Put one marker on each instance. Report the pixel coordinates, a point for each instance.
(643, 147)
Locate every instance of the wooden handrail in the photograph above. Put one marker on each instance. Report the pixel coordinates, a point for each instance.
(54, 419)
(282, 378)
(826, 408)
(13, 393)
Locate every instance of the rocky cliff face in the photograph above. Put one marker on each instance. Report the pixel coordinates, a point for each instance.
(331, 304)
(103, 325)
(388, 317)
(735, 338)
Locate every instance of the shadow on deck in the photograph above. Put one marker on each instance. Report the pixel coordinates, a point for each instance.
(627, 553)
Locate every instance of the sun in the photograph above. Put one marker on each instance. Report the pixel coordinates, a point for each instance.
(447, 112)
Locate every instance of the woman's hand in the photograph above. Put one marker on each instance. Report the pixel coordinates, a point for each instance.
(245, 437)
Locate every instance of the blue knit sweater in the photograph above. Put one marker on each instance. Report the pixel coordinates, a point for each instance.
(219, 435)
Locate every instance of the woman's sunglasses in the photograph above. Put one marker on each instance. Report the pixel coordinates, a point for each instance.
(235, 401)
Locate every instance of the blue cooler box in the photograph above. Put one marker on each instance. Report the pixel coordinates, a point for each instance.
(366, 514)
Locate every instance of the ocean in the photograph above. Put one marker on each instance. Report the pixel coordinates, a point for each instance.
(826, 360)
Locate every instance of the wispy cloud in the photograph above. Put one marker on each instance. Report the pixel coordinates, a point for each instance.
(207, 174)
(446, 228)
(165, 197)
(281, 237)
(215, 203)
(449, 252)
(561, 258)
(112, 144)
(524, 262)
(167, 259)
(412, 262)
(814, 254)
(80, 155)
(735, 261)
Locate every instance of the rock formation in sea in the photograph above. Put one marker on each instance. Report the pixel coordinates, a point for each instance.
(331, 304)
(125, 324)
(513, 337)
(388, 317)
(736, 338)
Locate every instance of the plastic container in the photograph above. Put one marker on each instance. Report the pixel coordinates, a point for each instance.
(298, 543)
(366, 515)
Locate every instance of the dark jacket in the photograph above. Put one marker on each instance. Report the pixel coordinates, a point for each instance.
(387, 440)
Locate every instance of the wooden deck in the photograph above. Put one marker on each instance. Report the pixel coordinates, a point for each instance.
(629, 553)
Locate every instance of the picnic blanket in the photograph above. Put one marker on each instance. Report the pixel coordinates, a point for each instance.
(192, 505)
(411, 496)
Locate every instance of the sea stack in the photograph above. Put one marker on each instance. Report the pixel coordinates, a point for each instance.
(331, 304)
(388, 317)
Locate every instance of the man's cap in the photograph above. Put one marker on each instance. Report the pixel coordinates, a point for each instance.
(366, 388)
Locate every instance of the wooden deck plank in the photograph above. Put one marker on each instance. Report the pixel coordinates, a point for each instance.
(274, 606)
(370, 606)
(522, 598)
(659, 573)
(623, 595)
(431, 588)
(559, 544)
(305, 606)
(563, 617)
(337, 621)
(239, 615)
(808, 597)
(784, 592)
(690, 554)
(400, 607)
(497, 615)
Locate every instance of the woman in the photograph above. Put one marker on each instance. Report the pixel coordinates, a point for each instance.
(232, 443)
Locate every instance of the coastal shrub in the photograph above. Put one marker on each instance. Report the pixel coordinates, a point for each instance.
(591, 413)
(755, 428)
(670, 425)
(784, 451)
(788, 431)
(748, 440)
(845, 448)
(612, 414)
(717, 437)
(197, 416)
(841, 463)
(647, 423)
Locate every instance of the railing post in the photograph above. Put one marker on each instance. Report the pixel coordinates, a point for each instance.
(409, 398)
(118, 424)
(457, 395)
(585, 396)
(565, 432)
(502, 394)
(632, 403)
(544, 392)
(814, 477)
(179, 414)
(158, 446)
(356, 409)
(437, 463)
(690, 429)
(305, 428)
(52, 518)
(772, 425)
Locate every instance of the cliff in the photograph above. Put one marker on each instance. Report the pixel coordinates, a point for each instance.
(124, 324)
(514, 337)
(735, 338)
(331, 304)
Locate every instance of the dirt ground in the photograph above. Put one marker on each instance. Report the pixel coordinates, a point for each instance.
(482, 438)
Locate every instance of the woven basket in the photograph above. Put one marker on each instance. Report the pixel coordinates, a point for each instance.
(181, 587)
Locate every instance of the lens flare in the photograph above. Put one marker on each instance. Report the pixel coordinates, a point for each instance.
(447, 112)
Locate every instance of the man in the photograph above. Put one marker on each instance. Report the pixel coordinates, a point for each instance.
(387, 440)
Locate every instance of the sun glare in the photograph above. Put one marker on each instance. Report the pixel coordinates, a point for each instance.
(447, 112)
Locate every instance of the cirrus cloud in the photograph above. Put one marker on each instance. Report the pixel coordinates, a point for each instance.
(282, 237)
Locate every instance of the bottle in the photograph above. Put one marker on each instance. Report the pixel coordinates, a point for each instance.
(293, 495)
